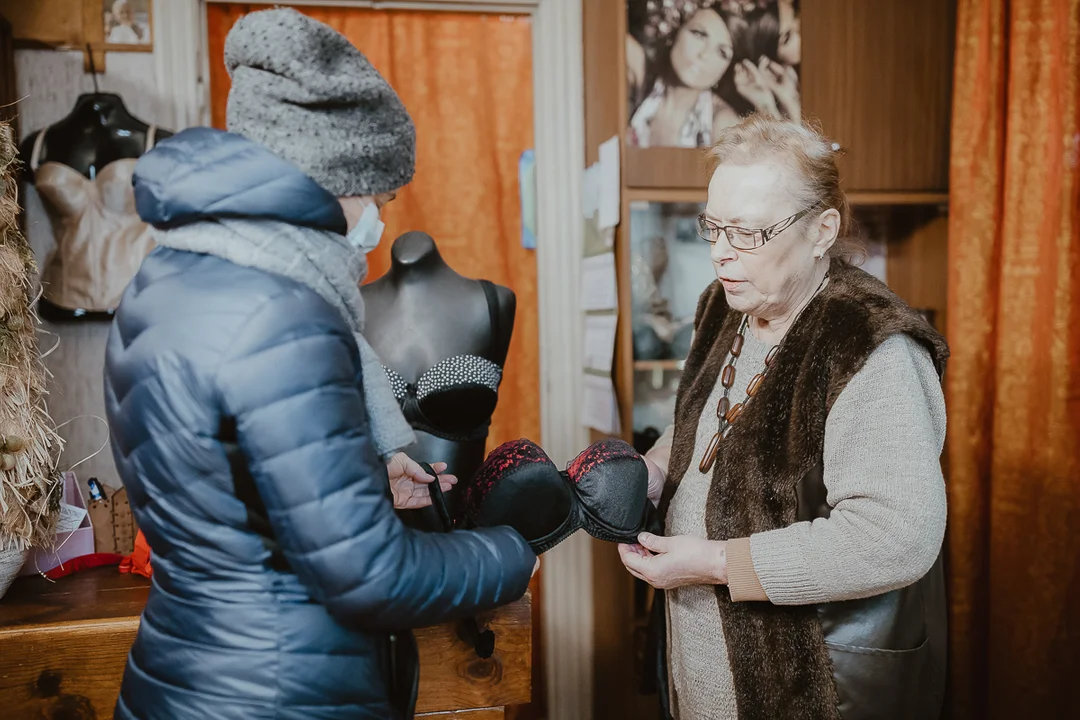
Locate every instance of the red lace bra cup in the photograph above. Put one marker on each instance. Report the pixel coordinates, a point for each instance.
(520, 487)
(604, 490)
(611, 481)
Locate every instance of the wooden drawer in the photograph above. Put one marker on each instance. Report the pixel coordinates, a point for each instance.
(63, 647)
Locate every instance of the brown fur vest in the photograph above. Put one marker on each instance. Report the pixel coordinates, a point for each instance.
(768, 472)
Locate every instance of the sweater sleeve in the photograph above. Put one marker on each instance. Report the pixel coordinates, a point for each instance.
(882, 471)
(290, 383)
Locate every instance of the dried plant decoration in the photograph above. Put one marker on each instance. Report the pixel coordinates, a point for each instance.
(30, 482)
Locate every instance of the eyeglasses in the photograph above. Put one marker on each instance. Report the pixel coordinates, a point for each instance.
(745, 238)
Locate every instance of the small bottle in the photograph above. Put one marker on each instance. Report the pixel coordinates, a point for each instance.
(95, 489)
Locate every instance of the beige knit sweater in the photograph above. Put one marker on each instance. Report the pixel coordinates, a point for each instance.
(883, 440)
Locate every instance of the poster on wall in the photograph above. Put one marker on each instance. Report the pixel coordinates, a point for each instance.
(694, 67)
(127, 23)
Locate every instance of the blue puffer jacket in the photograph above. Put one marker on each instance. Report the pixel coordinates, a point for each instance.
(238, 426)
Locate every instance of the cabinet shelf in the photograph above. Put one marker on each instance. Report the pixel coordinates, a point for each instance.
(700, 195)
(652, 365)
(898, 198)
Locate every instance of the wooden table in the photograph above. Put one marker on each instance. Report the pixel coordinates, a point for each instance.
(63, 647)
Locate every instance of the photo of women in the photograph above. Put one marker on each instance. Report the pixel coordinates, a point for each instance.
(694, 67)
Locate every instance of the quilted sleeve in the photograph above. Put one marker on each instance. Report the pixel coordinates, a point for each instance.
(289, 381)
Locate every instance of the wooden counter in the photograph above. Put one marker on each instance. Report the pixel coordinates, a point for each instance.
(63, 647)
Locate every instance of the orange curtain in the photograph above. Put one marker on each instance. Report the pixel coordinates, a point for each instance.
(1013, 384)
(466, 79)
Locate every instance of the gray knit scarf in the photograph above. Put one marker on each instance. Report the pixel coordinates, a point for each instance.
(326, 263)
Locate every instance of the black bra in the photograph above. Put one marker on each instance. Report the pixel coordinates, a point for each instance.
(604, 491)
(454, 399)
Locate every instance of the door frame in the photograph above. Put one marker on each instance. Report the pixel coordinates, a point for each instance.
(181, 69)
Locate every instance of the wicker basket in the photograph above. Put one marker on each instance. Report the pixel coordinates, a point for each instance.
(11, 561)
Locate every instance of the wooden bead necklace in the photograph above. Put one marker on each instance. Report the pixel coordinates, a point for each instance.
(726, 413)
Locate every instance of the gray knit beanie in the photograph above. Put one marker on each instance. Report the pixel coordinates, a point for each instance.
(302, 90)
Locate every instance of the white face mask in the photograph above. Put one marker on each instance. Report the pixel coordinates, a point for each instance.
(368, 230)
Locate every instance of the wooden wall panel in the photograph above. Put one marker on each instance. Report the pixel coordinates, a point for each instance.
(666, 168)
(917, 259)
(55, 22)
(602, 53)
(878, 77)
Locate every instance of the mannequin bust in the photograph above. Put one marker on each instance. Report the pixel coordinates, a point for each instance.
(97, 131)
(81, 167)
(443, 339)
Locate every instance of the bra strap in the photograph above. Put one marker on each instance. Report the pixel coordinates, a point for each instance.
(493, 313)
(35, 154)
(151, 138)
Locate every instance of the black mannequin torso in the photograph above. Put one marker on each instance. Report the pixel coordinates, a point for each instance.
(423, 312)
(97, 131)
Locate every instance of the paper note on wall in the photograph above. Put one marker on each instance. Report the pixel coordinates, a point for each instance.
(599, 409)
(609, 183)
(598, 285)
(599, 341)
(527, 185)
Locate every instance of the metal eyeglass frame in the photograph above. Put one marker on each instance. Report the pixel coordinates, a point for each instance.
(707, 228)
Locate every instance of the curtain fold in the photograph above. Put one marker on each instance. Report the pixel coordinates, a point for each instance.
(1013, 383)
(466, 79)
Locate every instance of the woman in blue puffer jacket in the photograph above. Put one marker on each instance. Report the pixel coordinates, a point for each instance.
(252, 423)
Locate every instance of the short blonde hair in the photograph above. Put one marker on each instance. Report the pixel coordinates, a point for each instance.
(806, 151)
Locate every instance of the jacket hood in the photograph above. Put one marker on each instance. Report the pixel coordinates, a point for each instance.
(207, 174)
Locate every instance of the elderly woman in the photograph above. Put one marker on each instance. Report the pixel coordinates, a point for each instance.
(800, 488)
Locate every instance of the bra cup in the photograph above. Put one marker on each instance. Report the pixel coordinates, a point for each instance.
(64, 190)
(518, 486)
(114, 183)
(464, 406)
(453, 399)
(611, 481)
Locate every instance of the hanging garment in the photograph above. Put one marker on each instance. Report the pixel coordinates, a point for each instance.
(100, 240)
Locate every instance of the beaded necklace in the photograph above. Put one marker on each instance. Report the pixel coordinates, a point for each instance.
(726, 413)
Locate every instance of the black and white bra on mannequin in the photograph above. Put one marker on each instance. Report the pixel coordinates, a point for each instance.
(455, 398)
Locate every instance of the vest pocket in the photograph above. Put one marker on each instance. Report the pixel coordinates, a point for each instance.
(881, 684)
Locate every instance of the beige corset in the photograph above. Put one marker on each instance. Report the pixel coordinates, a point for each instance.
(100, 240)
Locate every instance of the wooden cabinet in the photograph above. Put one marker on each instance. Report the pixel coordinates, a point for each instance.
(63, 647)
(876, 75)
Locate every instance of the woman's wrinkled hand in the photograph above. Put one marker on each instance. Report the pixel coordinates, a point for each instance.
(672, 562)
(409, 483)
